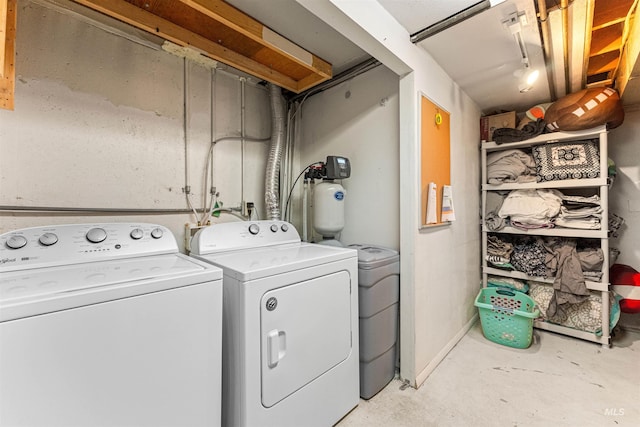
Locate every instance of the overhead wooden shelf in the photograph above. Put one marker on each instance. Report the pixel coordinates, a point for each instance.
(224, 33)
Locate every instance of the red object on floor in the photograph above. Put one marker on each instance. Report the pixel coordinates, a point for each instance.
(626, 282)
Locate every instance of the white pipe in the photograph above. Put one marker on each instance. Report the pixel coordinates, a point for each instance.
(291, 132)
(187, 114)
(285, 175)
(213, 123)
(242, 135)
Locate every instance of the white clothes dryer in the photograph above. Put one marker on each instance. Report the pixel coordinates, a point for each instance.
(107, 325)
(290, 325)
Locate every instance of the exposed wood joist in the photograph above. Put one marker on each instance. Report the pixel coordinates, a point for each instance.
(608, 35)
(628, 74)
(8, 16)
(224, 33)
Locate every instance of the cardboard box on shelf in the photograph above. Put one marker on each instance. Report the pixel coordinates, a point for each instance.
(490, 123)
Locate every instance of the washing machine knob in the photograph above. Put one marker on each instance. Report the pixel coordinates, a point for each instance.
(96, 235)
(156, 233)
(284, 227)
(48, 239)
(274, 228)
(136, 234)
(16, 242)
(254, 229)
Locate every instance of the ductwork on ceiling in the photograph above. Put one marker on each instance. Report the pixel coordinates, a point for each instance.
(272, 188)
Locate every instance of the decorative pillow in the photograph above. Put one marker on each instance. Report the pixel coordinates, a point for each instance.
(584, 316)
(567, 160)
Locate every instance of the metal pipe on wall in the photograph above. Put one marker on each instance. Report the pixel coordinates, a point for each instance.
(564, 6)
(68, 210)
(213, 123)
(186, 83)
(242, 135)
(546, 44)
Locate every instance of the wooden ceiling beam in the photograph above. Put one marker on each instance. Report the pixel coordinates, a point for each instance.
(266, 54)
(246, 25)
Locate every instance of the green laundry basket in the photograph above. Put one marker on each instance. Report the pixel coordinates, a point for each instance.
(506, 316)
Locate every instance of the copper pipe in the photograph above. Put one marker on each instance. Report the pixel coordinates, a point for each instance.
(564, 6)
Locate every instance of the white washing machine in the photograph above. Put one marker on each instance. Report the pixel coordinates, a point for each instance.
(290, 328)
(107, 325)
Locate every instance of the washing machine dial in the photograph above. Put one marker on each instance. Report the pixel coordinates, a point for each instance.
(48, 239)
(284, 227)
(274, 228)
(136, 234)
(156, 233)
(96, 235)
(16, 242)
(254, 229)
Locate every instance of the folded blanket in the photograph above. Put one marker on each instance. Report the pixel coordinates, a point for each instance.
(510, 166)
(531, 129)
(534, 207)
(492, 205)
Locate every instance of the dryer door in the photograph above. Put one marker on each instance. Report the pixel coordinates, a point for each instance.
(306, 331)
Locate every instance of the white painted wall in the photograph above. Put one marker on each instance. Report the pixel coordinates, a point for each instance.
(624, 197)
(98, 123)
(440, 268)
(358, 119)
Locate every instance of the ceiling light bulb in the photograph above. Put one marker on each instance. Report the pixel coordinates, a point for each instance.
(532, 76)
(526, 79)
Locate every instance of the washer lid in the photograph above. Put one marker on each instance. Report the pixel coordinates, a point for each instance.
(32, 292)
(251, 264)
(371, 256)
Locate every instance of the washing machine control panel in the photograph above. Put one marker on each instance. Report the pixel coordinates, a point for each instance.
(77, 243)
(240, 235)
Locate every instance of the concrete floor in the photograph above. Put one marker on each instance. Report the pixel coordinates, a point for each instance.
(558, 381)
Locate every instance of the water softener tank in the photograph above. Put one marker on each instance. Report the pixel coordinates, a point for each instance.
(328, 208)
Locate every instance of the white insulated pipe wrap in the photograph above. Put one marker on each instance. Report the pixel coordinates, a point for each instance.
(272, 175)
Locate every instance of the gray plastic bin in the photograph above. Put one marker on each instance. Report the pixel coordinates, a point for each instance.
(378, 297)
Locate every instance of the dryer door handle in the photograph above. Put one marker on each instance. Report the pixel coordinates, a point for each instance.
(276, 347)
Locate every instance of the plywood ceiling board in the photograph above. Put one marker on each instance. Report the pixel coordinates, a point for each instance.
(606, 39)
(147, 21)
(293, 21)
(199, 23)
(603, 63)
(609, 12)
(244, 24)
(221, 32)
(225, 34)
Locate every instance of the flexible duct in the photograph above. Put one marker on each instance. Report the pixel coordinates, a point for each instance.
(271, 196)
